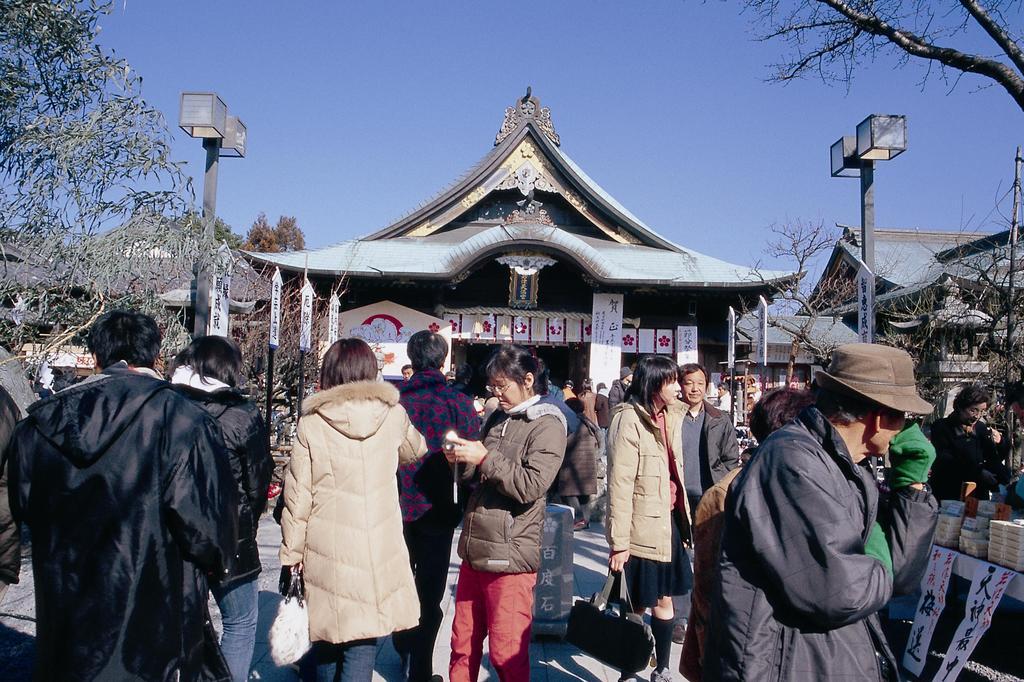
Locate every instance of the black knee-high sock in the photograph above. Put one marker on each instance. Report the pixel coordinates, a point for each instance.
(662, 630)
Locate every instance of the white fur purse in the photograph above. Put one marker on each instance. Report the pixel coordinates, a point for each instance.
(289, 633)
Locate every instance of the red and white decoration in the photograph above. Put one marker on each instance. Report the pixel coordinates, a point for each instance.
(520, 329)
(455, 321)
(664, 342)
(556, 330)
(387, 326)
(629, 340)
(486, 328)
(587, 336)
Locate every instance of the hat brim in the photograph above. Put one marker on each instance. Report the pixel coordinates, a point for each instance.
(899, 398)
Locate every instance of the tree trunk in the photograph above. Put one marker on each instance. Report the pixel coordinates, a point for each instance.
(794, 349)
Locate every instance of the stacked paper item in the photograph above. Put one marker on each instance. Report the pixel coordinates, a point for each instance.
(974, 536)
(947, 531)
(1006, 544)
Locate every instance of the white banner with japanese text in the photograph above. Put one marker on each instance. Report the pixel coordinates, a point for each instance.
(987, 587)
(865, 304)
(332, 320)
(929, 607)
(606, 335)
(275, 309)
(686, 345)
(306, 329)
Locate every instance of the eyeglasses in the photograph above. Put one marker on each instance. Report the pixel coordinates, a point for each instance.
(500, 390)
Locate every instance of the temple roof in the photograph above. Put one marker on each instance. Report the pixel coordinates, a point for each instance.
(476, 219)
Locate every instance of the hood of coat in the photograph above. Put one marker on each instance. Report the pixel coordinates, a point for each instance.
(354, 410)
(215, 402)
(535, 411)
(542, 407)
(84, 420)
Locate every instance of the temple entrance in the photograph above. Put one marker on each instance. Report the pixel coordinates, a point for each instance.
(563, 362)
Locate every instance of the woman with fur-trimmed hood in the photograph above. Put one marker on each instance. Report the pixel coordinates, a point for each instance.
(342, 522)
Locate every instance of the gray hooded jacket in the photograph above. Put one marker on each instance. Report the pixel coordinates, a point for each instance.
(796, 597)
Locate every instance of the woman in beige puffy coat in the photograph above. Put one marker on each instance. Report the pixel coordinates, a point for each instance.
(341, 519)
(648, 515)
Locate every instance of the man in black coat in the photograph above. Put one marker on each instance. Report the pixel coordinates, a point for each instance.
(127, 490)
(809, 552)
(10, 542)
(617, 393)
(967, 449)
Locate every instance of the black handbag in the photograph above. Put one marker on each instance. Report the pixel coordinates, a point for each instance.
(624, 641)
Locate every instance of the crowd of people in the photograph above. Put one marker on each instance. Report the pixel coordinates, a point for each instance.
(143, 496)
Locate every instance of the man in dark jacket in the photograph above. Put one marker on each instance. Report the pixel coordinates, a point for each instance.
(426, 493)
(10, 542)
(128, 493)
(710, 449)
(617, 393)
(809, 555)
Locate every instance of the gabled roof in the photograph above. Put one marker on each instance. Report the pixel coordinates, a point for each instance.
(442, 256)
(825, 330)
(447, 235)
(903, 257)
(527, 154)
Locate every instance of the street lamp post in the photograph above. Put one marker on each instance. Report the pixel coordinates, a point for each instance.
(205, 115)
(879, 137)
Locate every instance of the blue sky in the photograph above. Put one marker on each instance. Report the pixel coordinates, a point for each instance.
(358, 112)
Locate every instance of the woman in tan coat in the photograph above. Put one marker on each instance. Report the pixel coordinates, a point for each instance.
(341, 520)
(648, 515)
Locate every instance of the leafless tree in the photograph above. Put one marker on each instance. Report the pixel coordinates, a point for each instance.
(800, 245)
(252, 332)
(832, 38)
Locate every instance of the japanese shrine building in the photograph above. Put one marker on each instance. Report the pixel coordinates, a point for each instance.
(517, 249)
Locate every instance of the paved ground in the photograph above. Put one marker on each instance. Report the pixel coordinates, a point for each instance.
(551, 658)
(997, 658)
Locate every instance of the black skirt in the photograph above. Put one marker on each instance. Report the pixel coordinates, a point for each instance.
(648, 580)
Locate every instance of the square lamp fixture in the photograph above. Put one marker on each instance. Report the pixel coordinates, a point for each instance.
(203, 114)
(881, 137)
(233, 143)
(843, 153)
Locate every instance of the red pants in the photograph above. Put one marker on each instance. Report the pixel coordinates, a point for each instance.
(498, 606)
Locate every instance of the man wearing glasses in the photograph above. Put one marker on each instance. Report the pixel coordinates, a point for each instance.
(809, 555)
(967, 449)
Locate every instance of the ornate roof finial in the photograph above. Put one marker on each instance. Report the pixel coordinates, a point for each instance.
(526, 109)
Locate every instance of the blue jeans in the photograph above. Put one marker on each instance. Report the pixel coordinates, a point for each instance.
(239, 610)
(348, 662)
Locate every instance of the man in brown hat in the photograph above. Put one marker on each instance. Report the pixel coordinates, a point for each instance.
(808, 558)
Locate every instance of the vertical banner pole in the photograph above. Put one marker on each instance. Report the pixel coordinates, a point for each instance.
(865, 304)
(274, 341)
(762, 340)
(731, 364)
(305, 336)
